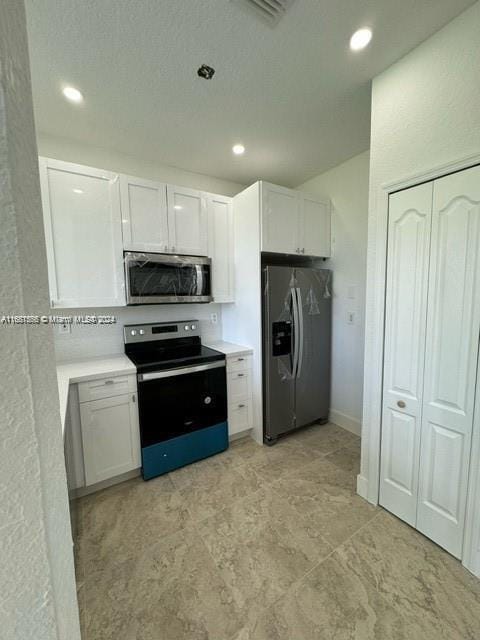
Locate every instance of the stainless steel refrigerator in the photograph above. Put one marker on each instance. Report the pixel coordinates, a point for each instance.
(296, 348)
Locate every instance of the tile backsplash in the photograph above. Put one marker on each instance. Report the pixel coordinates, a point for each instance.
(90, 340)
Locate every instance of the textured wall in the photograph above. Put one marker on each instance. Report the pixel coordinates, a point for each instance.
(37, 586)
(347, 187)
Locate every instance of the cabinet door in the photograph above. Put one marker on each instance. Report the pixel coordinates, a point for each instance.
(314, 229)
(221, 247)
(453, 327)
(409, 223)
(111, 437)
(280, 219)
(81, 208)
(187, 221)
(144, 215)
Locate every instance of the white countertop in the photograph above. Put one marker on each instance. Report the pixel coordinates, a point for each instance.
(229, 348)
(89, 369)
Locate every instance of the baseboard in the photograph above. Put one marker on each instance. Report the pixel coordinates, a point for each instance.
(240, 434)
(85, 491)
(362, 486)
(346, 422)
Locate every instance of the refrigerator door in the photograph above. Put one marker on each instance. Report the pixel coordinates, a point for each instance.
(312, 394)
(280, 350)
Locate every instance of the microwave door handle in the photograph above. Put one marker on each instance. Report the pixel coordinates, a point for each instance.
(199, 271)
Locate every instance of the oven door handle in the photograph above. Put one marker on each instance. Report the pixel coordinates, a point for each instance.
(183, 371)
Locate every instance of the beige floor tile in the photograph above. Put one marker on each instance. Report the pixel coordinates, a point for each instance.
(308, 487)
(281, 460)
(171, 591)
(416, 577)
(261, 546)
(121, 521)
(224, 487)
(332, 603)
(346, 458)
(324, 438)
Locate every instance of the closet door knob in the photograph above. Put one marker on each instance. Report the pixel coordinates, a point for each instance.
(401, 404)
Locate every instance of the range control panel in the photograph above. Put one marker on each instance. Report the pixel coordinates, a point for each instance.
(160, 331)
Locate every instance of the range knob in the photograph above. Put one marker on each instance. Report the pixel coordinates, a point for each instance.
(142, 332)
(193, 327)
(133, 332)
(187, 327)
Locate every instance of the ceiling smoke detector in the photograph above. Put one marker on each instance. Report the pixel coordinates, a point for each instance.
(271, 10)
(206, 72)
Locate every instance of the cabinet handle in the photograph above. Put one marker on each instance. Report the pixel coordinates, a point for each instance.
(133, 398)
(166, 247)
(303, 250)
(401, 404)
(173, 249)
(240, 359)
(240, 406)
(108, 381)
(240, 375)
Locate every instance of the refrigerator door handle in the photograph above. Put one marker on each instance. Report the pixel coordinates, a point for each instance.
(296, 335)
(300, 332)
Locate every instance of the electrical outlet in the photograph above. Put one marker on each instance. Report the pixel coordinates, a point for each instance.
(65, 327)
(214, 318)
(350, 317)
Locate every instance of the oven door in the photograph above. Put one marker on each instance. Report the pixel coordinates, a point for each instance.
(155, 278)
(180, 401)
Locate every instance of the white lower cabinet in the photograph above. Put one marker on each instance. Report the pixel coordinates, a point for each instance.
(110, 437)
(239, 393)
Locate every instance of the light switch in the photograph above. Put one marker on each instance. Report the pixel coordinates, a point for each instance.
(350, 317)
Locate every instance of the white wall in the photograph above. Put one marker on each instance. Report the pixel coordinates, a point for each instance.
(347, 187)
(86, 340)
(425, 114)
(37, 584)
(71, 151)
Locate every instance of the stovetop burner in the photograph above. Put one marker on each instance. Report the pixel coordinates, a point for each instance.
(156, 347)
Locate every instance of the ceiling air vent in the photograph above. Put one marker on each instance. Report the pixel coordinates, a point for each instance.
(270, 10)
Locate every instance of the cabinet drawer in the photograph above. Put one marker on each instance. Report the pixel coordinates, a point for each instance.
(238, 386)
(238, 363)
(106, 387)
(239, 417)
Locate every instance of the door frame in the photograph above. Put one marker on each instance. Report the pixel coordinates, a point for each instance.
(368, 480)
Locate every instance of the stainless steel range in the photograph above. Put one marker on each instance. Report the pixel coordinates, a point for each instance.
(182, 395)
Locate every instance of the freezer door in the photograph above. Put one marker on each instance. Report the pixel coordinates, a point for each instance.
(312, 394)
(279, 353)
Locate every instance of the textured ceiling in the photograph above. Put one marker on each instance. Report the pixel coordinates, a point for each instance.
(294, 95)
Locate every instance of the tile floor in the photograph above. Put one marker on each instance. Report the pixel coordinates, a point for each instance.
(264, 544)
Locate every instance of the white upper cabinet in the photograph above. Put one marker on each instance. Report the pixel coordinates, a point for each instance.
(280, 219)
(144, 215)
(187, 221)
(81, 208)
(293, 222)
(221, 247)
(314, 231)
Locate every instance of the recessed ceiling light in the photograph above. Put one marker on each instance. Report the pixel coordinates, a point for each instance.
(360, 39)
(77, 190)
(238, 149)
(177, 207)
(72, 94)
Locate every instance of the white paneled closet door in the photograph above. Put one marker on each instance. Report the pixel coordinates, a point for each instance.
(453, 325)
(405, 324)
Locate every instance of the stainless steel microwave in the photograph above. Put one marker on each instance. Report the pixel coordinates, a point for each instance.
(158, 278)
